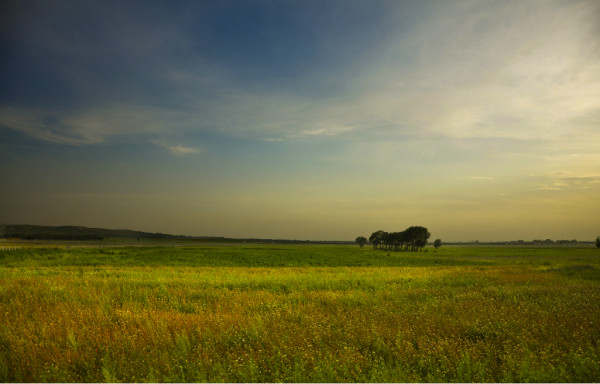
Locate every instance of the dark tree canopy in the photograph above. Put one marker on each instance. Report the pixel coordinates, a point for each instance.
(412, 239)
(598, 241)
(437, 243)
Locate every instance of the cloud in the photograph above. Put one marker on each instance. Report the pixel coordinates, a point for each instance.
(327, 130)
(511, 70)
(47, 127)
(178, 150)
(484, 69)
(563, 182)
(465, 70)
(91, 126)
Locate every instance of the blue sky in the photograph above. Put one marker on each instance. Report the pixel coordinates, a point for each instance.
(303, 119)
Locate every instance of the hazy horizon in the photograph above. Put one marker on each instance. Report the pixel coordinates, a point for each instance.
(320, 120)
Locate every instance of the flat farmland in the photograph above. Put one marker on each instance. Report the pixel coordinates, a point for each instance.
(299, 313)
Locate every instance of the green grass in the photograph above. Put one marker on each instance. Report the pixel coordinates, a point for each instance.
(298, 314)
(295, 256)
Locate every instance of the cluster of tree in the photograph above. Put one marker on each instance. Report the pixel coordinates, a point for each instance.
(598, 242)
(412, 239)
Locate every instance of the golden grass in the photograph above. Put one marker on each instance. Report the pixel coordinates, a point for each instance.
(503, 323)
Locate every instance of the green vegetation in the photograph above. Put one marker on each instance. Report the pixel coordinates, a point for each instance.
(299, 313)
(291, 256)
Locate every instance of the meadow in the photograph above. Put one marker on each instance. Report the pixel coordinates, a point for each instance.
(299, 313)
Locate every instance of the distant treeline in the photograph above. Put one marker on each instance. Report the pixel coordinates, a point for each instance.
(547, 242)
(550, 242)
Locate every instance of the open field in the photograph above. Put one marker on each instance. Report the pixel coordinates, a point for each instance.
(299, 313)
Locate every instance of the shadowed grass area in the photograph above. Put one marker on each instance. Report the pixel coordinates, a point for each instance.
(448, 316)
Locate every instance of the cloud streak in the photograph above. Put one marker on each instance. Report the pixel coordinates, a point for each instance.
(177, 149)
(327, 130)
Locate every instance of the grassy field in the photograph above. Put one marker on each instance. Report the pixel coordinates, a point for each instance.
(299, 313)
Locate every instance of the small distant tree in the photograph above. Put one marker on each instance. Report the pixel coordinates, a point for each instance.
(598, 242)
(361, 241)
(437, 243)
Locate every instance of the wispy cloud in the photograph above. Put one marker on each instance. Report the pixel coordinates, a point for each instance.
(177, 149)
(89, 126)
(327, 130)
(563, 182)
(513, 70)
(467, 69)
(47, 127)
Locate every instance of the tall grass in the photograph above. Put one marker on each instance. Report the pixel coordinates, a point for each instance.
(456, 317)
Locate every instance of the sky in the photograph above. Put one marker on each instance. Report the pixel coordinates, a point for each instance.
(320, 120)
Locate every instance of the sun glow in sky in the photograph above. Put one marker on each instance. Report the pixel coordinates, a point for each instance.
(303, 119)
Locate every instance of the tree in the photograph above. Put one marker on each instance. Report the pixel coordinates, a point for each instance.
(416, 238)
(437, 243)
(598, 242)
(422, 236)
(376, 238)
(361, 241)
(395, 240)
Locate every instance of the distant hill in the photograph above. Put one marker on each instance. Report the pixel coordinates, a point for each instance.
(41, 232)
